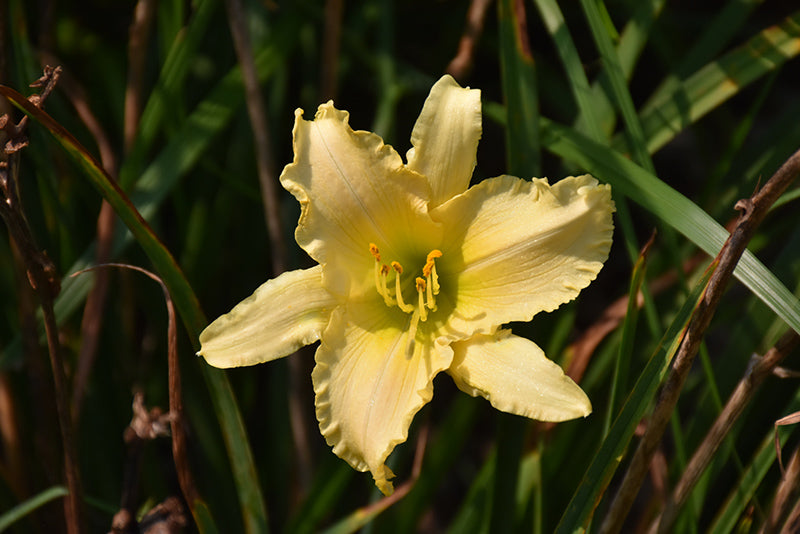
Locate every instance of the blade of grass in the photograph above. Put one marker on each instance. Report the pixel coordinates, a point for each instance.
(716, 35)
(13, 515)
(593, 10)
(608, 457)
(240, 455)
(673, 208)
(745, 488)
(664, 116)
(180, 154)
(619, 380)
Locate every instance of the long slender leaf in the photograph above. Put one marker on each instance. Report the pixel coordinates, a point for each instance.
(10, 517)
(240, 455)
(671, 112)
(608, 457)
(671, 207)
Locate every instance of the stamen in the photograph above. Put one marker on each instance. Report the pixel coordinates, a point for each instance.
(429, 270)
(412, 333)
(423, 313)
(382, 289)
(398, 269)
(373, 249)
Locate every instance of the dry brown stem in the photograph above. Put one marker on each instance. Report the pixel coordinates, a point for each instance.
(752, 213)
(43, 277)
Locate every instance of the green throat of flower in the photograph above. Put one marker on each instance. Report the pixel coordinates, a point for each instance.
(427, 287)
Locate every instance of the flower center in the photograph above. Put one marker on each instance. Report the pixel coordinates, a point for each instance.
(427, 287)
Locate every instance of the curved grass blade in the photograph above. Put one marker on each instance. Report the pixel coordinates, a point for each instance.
(240, 455)
(671, 207)
(609, 456)
(21, 510)
(671, 112)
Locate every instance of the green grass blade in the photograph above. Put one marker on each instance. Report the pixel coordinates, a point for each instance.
(716, 35)
(177, 64)
(671, 207)
(746, 486)
(619, 87)
(21, 510)
(240, 455)
(671, 112)
(608, 457)
(587, 101)
(619, 380)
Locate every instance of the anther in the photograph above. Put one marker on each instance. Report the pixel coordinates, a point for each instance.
(373, 249)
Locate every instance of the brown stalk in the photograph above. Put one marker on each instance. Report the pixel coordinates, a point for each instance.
(785, 496)
(43, 277)
(266, 174)
(179, 439)
(741, 396)
(331, 38)
(91, 324)
(752, 213)
(461, 65)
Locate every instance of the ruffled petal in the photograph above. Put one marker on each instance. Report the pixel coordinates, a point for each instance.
(516, 377)
(445, 138)
(353, 190)
(369, 385)
(513, 248)
(284, 314)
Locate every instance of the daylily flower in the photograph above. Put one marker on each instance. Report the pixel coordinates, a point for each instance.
(416, 274)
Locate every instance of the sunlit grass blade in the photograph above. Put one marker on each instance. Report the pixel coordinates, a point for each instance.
(588, 103)
(608, 457)
(619, 380)
(671, 112)
(9, 517)
(716, 35)
(240, 455)
(671, 207)
(619, 87)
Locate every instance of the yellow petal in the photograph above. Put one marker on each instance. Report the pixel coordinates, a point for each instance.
(445, 138)
(522, 247)
(284, 314)
(353, 190)
(516, 377)
(368, 388)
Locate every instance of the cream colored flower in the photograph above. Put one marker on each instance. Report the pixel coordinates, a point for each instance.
(416, 274)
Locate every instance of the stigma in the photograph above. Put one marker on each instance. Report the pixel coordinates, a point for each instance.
(427, 287)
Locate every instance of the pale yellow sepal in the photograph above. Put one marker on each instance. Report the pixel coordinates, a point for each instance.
(369, 384)
(445, 138)
(284, 314)
(516, 377)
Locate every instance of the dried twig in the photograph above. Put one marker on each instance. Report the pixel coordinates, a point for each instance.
(786, 494)
(43, 277)
(298, 406)
(179, 439)
(753, 211)
(756, 373)
(460, 66)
